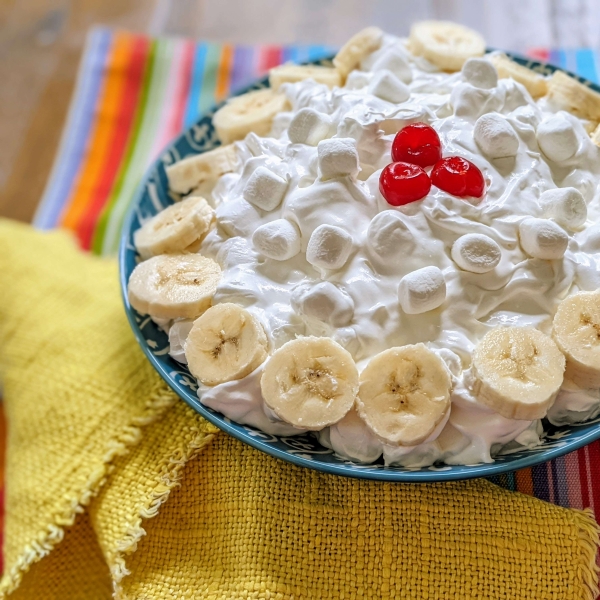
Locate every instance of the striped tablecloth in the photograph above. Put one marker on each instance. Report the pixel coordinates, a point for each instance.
(135, 93)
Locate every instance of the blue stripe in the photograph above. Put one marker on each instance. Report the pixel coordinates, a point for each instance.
(586, 65)
(320, 52)
(289, 54)
(77, 129)
(558, 58)
(193, 103)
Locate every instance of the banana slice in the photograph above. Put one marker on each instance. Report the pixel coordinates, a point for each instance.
(356, 48)
(253, 111)
(572, 96)
(175, 228)
(595, 135)
(517, 372)
(202, 169)
(576, 331)
(404, 394)
(310, 382)
(294, 73)
(172, 286)
(224, 344)
(446, 45)
(534, 83)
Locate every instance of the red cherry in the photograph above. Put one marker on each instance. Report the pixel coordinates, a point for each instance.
(401, 183)
(458, 177)
(417, 144)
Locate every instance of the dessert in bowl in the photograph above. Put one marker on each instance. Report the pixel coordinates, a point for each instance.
(396, 253)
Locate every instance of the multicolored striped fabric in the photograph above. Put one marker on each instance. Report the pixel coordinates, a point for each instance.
(134, 94)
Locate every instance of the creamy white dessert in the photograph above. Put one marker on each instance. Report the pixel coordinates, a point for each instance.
(434, 319)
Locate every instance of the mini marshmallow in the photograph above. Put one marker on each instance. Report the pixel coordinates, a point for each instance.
(265, 189)
(476, 253)
(237, 217)
(279, 239)
(337, 157)
(396, 63)
(422, 290)
(329, 247)
(324, 302)
(480, 73)
(388, 234)
(388, 87)
(495, 136)
(542, 238)
(309, 127)
(566, 206)
(557, 138)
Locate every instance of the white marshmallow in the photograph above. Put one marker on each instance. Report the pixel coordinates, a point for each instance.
(337, 157)
(357, 80)
(388, 234)
(565, 205)
(557, 138)
(178, 334)
(265, 189)
(388, 87)
(329, 247)
(422, 290)
(542, 238)
(396, 63)
(476, 253)
(325, 302)
(279, 239)
(237, 217)
(309, 127)
(496, 136)
(480, 73)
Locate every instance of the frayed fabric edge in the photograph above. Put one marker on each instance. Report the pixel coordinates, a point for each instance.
(589, 540)
(160, 400)
(170, 479)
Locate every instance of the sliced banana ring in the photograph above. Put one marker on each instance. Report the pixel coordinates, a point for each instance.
(310, 382)
(201, 170)
(573, 96)
(576, 330)
(294, 73)
(404, 394)
(172, 286)
(356, 48)
(534, 83)
(175, 228)
(517, 372)
(446, 45)
(251, 112)
(224, 344)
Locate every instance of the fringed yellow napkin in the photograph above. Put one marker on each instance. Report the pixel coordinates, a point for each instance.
(114, 486)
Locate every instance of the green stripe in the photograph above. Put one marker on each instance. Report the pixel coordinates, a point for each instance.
(155, 88)
(209, 81)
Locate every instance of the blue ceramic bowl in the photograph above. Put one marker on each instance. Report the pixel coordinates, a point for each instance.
(302, 450)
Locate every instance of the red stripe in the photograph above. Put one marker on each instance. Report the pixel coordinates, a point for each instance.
(270, 57)
(539, 54)
(583, 478)
(594, 454)
(121, 129)
(178, 115)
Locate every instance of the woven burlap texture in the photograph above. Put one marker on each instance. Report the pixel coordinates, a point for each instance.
(116, 488)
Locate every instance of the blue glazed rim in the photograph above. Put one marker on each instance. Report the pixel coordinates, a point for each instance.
(304, 451)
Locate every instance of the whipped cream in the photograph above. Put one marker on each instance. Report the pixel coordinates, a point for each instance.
(309, 246)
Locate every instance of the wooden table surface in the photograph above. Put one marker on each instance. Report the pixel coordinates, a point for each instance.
(41, 43)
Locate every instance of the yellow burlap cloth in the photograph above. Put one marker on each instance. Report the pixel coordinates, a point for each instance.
(114, 486)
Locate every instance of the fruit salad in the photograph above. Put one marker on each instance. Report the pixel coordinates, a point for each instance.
(398, 251)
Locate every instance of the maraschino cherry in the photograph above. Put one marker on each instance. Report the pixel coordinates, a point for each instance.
(418, 144)
(458, 177)
(402, 183)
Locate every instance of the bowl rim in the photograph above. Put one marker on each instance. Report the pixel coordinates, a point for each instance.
(432, 474)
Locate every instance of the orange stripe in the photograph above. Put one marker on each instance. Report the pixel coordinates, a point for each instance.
(106, 119)
(223, 74)
(524, 481)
